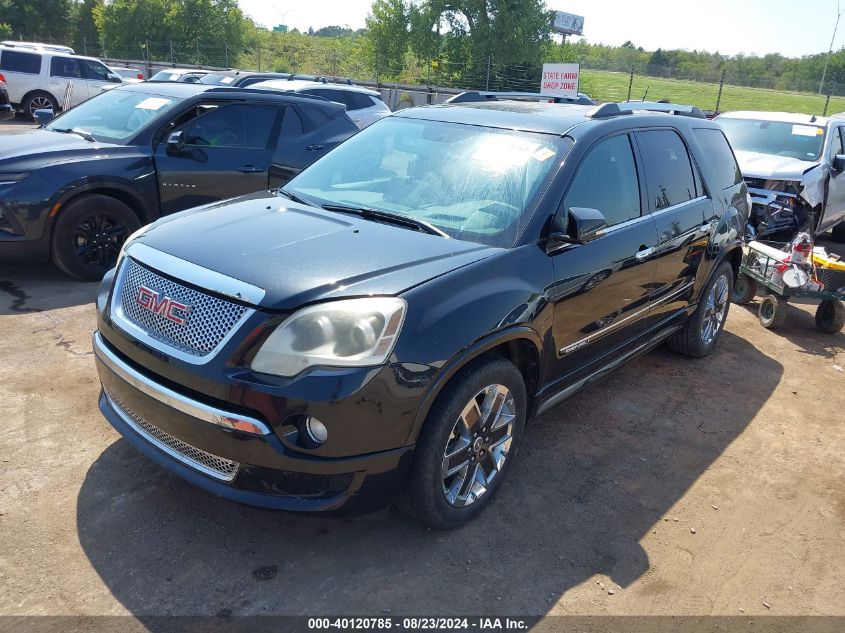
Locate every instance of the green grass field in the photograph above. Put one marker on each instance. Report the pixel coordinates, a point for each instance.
(610, 86)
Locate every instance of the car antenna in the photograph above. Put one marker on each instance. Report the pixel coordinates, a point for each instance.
(813, 118)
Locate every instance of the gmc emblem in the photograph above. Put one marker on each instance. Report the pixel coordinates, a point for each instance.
(156, 303)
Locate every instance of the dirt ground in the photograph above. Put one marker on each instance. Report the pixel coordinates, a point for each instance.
(673, 487)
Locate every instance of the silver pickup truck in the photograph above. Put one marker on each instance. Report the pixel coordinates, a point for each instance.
(794, 166)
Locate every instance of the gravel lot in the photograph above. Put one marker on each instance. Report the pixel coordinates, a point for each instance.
(673, 487)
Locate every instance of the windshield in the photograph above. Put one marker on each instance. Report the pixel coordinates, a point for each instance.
(793, 140)
(114, 116)
(474, 183)
(164, 75)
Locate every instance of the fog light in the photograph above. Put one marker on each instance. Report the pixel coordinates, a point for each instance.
(315, 430)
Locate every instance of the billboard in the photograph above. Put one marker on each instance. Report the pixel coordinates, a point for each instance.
(568, 24)
(560, 80)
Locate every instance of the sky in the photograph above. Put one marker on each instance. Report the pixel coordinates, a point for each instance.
(790, 27)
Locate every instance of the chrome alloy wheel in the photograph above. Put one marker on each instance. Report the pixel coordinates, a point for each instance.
(39, 103)
(478, 445)
(715, 310)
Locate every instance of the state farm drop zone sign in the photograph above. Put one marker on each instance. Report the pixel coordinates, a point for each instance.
(560, 80)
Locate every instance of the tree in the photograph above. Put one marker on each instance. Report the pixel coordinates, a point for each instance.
(84, 25)
(42, 19)
(332, 31)
(388, 34)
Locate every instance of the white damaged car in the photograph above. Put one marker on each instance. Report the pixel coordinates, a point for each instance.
(794, 166)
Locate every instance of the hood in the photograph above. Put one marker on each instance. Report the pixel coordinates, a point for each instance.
(42, 147)
(771, 166)
(299, 254)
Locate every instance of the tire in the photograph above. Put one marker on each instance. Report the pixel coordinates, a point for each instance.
(435, 498)
(772, 312)
(37, 100)
(839, 232)
(830, 316)
(702, 330)
(744, 290)
(89, 233)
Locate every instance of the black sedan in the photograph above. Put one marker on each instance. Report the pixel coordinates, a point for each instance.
(72, 191)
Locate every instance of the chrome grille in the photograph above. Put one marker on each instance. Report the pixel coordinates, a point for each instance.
(208, 463)
(209, 319)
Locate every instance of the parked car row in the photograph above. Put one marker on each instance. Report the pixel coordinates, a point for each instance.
(381, 312)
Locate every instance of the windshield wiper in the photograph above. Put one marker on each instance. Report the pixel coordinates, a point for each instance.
(80, 132)
(295, 197)
(386, 216)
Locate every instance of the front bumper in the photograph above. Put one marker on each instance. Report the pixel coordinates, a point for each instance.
(207, 446)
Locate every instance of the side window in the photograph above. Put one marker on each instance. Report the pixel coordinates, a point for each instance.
(65, 67)
(607, 180)
(317, 117)
(292, 124)
(716, 147)
(357, 100)
(17, 62)
(239, 125)
(94, 70)
(839, 142)
(667, 167)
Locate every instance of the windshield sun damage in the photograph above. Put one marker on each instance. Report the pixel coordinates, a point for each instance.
(473, 183)
(779, 138)
(113, 116)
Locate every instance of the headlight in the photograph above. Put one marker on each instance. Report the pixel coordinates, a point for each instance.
(11, 179)
(129, 239)
(347, 333)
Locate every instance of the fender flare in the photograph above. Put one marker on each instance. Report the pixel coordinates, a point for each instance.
(461, 359)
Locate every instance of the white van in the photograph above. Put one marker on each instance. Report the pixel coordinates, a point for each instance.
(39, 78)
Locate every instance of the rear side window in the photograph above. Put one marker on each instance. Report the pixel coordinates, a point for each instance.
(716, 147)
(317, 117)
(292, 124)
(17, 62)
(667, 167)
(610, 161)
(65, 67)
(357, 100)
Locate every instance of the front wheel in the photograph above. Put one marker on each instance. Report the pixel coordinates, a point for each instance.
(467, 444)
(772, 312)
(698, 336)
(89, 233)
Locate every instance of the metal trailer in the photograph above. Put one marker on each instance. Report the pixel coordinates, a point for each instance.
(760, 270)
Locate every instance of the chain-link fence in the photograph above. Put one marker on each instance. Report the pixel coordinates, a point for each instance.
(604, 81)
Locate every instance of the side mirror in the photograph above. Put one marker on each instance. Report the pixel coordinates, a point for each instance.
(176, 142)
(585, 225)
(114, 78)
(43, 115)
(839, 162)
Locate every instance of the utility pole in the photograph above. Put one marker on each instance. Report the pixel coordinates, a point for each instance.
(630, 83)
(719, 97)
(85, 45)
(171, 53)
(830, 50)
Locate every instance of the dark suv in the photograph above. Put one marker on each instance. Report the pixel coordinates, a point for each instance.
(386, 324)
(74, 190)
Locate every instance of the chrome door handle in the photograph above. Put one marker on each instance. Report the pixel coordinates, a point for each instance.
(314, 148)
(250, 169)
(644, 253)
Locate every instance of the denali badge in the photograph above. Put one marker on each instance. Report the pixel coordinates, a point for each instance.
(159, 304)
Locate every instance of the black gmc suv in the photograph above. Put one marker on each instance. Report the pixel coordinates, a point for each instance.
(74, 190)
(384, 326)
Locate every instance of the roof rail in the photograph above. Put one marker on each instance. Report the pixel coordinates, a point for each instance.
(475, 96)
(264, 91)
(630, 107)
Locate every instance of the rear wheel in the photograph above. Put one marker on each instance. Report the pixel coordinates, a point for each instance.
(744, 290)
(701, 331)
(467, 444)
(38, 101)
(772, 312)
(89, 233)
(830, 316)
